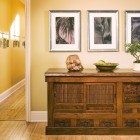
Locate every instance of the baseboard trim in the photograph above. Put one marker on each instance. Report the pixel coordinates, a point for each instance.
(39, 116)
(11, 90)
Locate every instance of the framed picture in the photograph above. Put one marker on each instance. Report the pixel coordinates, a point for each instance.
(132, 26)
(4, 42)
(103, 30)
(22, 42)
(7, 43)
(16, 43)
(65, 30)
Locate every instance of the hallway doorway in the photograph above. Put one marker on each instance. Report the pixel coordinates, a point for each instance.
(12, 100)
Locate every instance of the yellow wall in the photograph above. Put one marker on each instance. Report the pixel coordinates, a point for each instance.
(12, 60)
(5, 54)
(18, 54)
(5, 11)
(42, 59)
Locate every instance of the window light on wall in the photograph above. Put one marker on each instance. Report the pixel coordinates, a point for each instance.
(15, 31)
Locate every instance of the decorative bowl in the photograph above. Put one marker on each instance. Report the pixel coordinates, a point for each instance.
(106, 66)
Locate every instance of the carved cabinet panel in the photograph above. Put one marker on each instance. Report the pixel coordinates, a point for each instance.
(68, 97)
(101, 97)
(131, 92)
(90, 101)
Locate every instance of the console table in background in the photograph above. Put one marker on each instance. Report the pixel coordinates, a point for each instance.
(92, 102)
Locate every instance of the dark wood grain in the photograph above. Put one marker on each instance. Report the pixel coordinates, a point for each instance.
(91, 131)
(92, 102)
(90, 72)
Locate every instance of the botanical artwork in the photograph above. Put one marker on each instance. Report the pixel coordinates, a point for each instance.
(102, 30)
(65, 30)
(135, 29)
(132, 27)
(65, 27)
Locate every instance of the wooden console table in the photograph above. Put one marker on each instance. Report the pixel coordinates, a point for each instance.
(92, 102)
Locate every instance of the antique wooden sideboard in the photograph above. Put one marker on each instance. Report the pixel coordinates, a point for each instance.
(92, 102)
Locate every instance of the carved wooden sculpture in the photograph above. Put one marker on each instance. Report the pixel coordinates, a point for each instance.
(73, 63)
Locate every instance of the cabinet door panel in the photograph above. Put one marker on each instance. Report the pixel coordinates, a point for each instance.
(101, 97)
(131, 92)
(68, 97)
(131, 122)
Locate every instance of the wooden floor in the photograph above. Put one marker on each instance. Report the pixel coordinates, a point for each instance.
(14, 127)
(13, 108)
(20, 130)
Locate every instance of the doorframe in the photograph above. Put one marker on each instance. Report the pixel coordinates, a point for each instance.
(27, 60)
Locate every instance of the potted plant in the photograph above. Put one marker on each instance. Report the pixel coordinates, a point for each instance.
(134, 50)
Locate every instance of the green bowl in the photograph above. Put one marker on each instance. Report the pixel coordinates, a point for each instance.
(106, 66)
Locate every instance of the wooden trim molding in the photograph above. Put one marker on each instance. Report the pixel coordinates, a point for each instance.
(28, 42)
(11, 90)
(39, 116)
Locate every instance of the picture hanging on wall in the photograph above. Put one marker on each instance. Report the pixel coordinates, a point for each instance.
(22, 42)
(4, 42)
(65, 30)
(4, 39)
(132, 26)
(16, 43)
(103, 30)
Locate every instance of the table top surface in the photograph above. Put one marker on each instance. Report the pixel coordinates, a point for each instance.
(91, 72)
